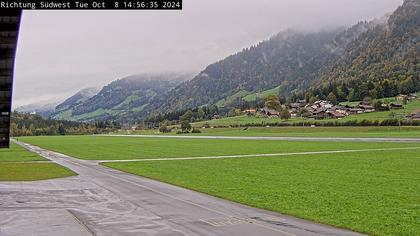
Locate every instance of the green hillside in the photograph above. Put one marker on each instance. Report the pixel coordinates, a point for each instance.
(263, 94)
(123, 99)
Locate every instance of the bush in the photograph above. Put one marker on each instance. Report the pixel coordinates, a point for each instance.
(196, 131)
(185, 126)
(182, 132)
(164, 129)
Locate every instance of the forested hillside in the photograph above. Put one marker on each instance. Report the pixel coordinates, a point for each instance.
(370, 59)
(381, 62)
(377, 59)
(290, 60)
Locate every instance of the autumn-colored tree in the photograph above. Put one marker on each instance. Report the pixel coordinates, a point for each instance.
(273, 102)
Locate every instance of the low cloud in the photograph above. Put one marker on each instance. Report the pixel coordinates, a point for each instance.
(61, 52)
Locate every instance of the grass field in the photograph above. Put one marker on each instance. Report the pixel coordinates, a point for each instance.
(293, 131)
(123, 148)
(374, 192)
(18, 154)
(18, 164)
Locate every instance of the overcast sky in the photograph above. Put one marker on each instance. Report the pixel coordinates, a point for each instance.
(61, 52)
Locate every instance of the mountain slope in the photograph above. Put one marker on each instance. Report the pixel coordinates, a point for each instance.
(381, 62)
(289, 59)
(77, 98)
(42, 108)
(377, 59)
(121, 99)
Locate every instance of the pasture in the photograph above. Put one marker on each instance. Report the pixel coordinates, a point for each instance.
(377, 193)
(369, 187)
(18, 164)
(294, 131)
(131, 147)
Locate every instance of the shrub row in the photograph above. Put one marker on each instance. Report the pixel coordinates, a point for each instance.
(387, 122)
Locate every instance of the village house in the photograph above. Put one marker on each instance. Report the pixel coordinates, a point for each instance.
(412, 96)
(353, 110)
(294, 105)
(401, 97)
(341, 109)
(383, 107)
(319, 113)
(415, 115)
(396, 106)
(367, 108)
(265, 112)
(293, 112)
(249, 112)
(323, 104)
(294, 108)
(334, 115)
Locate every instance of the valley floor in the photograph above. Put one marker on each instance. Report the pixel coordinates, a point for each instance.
(103, 201)
(369, 187)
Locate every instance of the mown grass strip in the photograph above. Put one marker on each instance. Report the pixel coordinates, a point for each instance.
(18, 154)
(18, 164)
(377, 193)
(262, 155)
(32, 171)
(125, 148)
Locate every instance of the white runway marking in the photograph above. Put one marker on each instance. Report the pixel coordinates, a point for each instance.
(260, 155)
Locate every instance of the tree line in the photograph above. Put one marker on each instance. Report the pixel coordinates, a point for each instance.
(357, 90)
(196, 114)
(25, 124)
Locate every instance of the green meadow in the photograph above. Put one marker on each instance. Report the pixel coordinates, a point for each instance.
(18, 154)
(295, 131)
(130, 147)
(377, 193)
(18, 164)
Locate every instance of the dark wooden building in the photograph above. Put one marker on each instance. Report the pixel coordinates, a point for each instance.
(9, 30)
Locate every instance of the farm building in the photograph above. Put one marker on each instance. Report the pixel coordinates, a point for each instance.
(269, 112)
(415, 115)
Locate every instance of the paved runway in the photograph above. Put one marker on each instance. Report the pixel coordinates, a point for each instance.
(326, 139)
(103, 201)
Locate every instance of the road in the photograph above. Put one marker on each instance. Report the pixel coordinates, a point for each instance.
(103, 201)
(326, 139)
